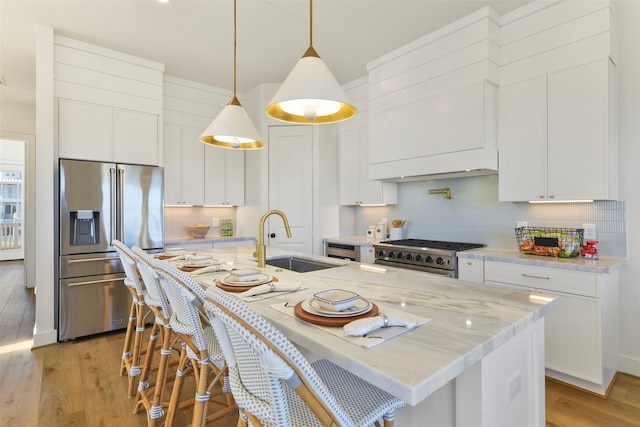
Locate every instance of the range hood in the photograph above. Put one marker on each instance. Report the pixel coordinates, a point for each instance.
(443, 175)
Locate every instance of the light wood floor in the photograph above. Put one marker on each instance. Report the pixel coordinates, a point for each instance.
(77, 383)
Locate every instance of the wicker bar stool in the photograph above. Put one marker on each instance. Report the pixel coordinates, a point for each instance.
(133, 342)
(202, 349)
(274, 385)
(151, 396)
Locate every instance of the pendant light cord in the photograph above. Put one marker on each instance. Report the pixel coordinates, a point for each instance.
(310, 22)
(234, 49)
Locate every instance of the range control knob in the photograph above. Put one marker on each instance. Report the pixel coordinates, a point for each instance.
(418, 258)
(439, 261)
(391, 254)
(428, 259)
(400, 255)
(380, 252)
(409, 257)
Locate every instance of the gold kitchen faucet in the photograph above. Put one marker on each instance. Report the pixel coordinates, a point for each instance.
(261, 249)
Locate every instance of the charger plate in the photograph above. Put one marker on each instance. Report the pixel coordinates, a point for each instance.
(331, 321)
(230, 288)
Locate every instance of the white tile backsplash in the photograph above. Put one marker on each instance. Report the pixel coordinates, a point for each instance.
(475, 215)
(176, 219)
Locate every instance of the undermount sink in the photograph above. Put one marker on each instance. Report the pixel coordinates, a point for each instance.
(299, 265)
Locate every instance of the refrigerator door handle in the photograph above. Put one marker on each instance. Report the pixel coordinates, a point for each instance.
(120, 202)
(75, 261)
(113, 183)
(93, 282)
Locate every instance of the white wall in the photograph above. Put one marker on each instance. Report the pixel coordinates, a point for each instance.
(627, 15)
(18, 121)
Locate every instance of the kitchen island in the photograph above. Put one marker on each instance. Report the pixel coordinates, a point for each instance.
(479, 362)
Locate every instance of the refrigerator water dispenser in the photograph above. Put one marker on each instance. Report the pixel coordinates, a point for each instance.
(83, 230)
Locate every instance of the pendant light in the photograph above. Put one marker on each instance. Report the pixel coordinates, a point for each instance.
(232, 128)
(310, 94)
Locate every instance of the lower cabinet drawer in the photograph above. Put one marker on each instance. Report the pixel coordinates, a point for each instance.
(548, 279)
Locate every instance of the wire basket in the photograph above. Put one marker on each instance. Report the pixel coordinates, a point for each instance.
(555, 242)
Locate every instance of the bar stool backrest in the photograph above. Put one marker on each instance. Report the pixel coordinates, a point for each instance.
(262, 363)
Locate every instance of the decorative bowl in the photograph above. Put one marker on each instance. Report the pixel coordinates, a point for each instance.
(198, 231)
(336, 299)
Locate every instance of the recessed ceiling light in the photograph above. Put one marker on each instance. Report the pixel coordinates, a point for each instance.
(164, 1)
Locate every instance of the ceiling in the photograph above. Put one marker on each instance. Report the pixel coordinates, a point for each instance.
(194, 38)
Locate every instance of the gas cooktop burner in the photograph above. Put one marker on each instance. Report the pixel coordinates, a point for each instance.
(433, 244)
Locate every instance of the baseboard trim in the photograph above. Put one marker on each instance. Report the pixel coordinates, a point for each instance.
(629, 365)
(41, 339)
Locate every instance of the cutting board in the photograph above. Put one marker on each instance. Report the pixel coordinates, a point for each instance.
(331, 321)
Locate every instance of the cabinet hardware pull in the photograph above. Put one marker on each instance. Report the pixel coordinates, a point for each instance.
(469, 263)
(535, 277)
(93, 282)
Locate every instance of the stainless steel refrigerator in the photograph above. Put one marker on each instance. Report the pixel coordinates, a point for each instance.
(100, 202)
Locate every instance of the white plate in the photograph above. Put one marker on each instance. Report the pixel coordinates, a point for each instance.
(205, 263)
(173, 253)
(362, 306)
(263, 278)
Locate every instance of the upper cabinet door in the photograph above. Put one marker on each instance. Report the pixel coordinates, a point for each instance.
(135, 137)
(172, 151)
(192, 167)
(223, 176)
(523, 140)
(350, 163)
(234, 183)
(85, 131)
(215, 172)
(578, 133)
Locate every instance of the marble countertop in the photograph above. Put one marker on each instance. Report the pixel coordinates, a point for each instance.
(186, 240)
(469, 321)
(601, 265)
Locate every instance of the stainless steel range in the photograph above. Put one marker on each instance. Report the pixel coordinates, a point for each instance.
(431, 256)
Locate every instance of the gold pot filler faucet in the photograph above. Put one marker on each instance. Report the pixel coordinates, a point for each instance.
(261, 249)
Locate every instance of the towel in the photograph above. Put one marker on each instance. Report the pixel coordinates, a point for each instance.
(270, 287)
(362, 327)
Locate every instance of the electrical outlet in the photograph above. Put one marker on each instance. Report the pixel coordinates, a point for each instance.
(589, 231)
(215, 222)
(521, 223)
(514, 386)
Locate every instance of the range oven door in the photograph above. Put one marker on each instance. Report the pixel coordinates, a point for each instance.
(438, 271)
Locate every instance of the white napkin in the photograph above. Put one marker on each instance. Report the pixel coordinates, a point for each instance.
(212, 269)
(362, 327)
(195, 260)
(270, 287)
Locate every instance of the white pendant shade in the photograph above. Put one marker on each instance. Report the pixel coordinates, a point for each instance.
(233, 129)
(310, 95)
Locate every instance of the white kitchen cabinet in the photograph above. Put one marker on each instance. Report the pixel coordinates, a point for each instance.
(183, 166)
(97, 132)
(471, 270)
(448, 132)
(581, 331)
(223, 176)
(355, 186)
(557, 135)
(135, 137)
